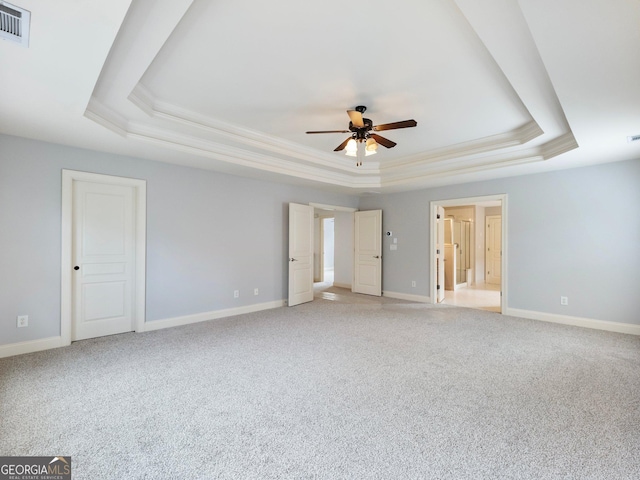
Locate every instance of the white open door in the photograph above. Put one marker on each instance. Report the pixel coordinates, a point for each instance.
(368, 253)
(494, 249)
(440, 255)
(300, 254)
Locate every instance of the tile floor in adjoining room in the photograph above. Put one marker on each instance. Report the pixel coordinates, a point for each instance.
(482, 296)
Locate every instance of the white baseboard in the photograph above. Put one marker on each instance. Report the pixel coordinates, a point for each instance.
(407, 296)
(31, 346)
(56, 342)
(205, 316)
(575, 321)
(342, 285)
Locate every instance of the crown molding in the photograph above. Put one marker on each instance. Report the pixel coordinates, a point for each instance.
(144, 99)
(103, 115)
(236, 156)
(422, 177)
(559, 145)
(500, 141)
(154, 107)
(106, 117)
(463, 159)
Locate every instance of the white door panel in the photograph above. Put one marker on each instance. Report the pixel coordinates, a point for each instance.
(104, 258)
(368, 253)
(102, 301)
(300, 254)
(368, 275)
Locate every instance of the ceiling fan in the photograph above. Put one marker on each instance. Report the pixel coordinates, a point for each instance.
(361, 133)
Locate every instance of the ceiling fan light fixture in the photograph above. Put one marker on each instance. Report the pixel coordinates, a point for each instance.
(351, 148)
(371, 147)
(363, 142)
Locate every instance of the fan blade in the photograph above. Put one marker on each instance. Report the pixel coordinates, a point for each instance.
(356, 118)
(330, 131)
(342, 145)
(385, 142)
(395, 125)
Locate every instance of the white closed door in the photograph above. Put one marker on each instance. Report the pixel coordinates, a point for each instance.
(300, 254)
(494, 249)
(103, 259)
(368, 253)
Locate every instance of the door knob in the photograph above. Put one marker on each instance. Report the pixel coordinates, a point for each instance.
(76, 267)
(376, 256)
(292, 259)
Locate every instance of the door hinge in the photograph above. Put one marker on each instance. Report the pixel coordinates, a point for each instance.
(438, 216)
(437, 252)
(438, 287)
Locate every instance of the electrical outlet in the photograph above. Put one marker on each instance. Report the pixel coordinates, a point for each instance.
(413, 283)
(23, 321)
(256, 291)
(236, 293)
(564, 300)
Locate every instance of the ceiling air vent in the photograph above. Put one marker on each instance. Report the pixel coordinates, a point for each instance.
(14, 24)
(633, 138)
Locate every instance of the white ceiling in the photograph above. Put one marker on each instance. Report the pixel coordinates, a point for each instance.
(498, 88)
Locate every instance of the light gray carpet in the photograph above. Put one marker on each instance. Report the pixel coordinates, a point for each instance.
(334, 391)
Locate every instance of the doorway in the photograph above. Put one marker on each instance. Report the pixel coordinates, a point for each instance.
(332, 236)
(355, 246)
(355, 267)
(324, 247)
(470, 278)
(327, 249)
(340, 244)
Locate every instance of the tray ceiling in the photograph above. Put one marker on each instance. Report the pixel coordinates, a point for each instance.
(502, 88)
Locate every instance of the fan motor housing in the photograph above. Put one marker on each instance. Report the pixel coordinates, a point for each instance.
(361, 132)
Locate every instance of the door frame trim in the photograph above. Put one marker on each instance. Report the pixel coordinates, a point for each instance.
(333, 208)
(66, 263)
(456, 202)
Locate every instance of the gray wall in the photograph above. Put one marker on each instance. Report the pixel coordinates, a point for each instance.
(573, 233)
(207, 234)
